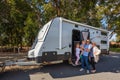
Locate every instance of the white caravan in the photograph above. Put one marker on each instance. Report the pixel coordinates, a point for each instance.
(56, 40)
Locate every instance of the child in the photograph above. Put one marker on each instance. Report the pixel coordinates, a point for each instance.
(82, 47)
(77, 50)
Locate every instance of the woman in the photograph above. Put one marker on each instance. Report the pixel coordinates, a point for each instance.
(94, 52)
(92, 59)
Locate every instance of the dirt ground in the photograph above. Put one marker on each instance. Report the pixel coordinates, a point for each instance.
(108, 68)
(11, 56)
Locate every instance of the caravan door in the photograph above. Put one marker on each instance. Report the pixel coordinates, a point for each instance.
(75, 39)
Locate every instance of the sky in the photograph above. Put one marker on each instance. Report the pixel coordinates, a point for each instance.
(105, 25)
(114, 38)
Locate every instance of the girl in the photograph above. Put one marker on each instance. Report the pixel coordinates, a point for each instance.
(77, 50)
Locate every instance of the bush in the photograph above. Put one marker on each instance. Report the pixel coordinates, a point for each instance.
(115, 49)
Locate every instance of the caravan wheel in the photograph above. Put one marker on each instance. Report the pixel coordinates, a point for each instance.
(65, 61)
(69, 61)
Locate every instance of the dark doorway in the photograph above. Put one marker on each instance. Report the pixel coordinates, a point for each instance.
(75, 39)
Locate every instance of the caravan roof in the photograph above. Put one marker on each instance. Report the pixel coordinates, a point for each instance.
(77, 23)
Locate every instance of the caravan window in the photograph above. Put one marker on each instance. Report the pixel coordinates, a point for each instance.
(85, 35)
(103, 42)
(76, 25)
(104, 33)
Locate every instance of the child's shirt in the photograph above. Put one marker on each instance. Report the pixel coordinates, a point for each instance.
(77, 50)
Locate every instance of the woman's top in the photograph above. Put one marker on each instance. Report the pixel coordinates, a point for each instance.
(96, 51)
(91, 52)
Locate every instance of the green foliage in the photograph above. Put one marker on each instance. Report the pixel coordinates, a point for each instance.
(20, 20)
(12, 22)
(115, 49)
(31, 29)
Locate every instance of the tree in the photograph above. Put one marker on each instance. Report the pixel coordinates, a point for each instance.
(12, 22)
(109, 9)
(20, 20)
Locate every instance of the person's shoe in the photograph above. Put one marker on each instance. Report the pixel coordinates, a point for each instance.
(93, 71)
(87, 71)
(74, 64)
(81, 69)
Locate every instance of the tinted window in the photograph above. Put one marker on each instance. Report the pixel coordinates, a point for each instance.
(104, 33)
(103, 42)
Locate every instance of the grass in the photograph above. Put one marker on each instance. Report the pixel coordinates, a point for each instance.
(115, 49)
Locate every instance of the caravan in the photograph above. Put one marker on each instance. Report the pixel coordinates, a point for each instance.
(56, 40)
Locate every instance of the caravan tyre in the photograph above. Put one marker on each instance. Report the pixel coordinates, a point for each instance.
(66, 61)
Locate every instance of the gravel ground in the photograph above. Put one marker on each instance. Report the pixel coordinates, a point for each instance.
(107, 69)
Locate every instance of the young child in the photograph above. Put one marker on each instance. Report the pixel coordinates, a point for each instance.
(82, 47)
(77, 50)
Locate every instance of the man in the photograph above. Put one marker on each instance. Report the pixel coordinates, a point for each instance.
(85, 58)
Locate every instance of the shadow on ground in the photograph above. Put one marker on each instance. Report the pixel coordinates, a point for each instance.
(108, 63)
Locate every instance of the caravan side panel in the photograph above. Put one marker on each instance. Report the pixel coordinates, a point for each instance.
(66, 36)
(50, 46)
(39, 41)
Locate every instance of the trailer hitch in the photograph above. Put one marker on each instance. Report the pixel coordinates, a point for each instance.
(2, 66)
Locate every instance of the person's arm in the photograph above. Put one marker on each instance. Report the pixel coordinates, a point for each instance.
(89, 47)
(94, 52)
(81, 47)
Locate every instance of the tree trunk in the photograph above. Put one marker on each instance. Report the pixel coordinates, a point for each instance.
(57, 3)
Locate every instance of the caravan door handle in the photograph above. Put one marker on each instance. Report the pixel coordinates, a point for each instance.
(70, 45)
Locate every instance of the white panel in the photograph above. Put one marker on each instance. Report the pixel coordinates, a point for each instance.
(37, 48)
(95, 36)
(42, 33)
(66, 36)
(51, 42)
(41, 36)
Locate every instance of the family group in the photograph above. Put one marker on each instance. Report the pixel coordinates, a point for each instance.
(87, 53)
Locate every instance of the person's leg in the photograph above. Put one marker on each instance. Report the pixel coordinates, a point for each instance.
(82, 63)
(93, 63)
(77, 59)
(87, 63)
